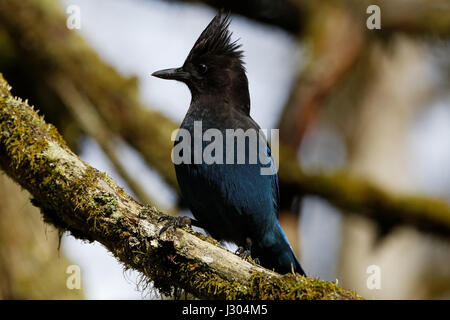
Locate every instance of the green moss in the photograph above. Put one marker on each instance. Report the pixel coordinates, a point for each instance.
(202, 283)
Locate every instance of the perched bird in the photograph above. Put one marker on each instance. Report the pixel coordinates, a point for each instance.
(232, 202)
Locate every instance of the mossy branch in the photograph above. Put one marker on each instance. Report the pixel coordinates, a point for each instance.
(76, 197)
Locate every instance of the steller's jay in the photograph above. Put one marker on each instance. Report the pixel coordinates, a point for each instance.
(231, 201)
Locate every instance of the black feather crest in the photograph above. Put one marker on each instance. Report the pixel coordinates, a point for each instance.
(216, 39)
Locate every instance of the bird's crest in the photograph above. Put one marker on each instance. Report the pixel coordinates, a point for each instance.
(216, 39)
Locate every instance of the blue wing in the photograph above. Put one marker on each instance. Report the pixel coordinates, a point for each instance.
(275, 185)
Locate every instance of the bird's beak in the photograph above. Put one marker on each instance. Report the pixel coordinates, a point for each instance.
(172, 74)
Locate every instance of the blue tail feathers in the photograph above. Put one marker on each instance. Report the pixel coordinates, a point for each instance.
(277, 255)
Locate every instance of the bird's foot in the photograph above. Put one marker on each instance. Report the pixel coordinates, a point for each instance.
(245, 251)
(174, 222)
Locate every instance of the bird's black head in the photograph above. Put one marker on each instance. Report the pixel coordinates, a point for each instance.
(214, 66)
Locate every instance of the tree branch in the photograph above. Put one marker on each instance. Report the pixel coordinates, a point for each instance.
(357, 196)
(418, 17)
(280, 13)
(76, 197)
(334, 52)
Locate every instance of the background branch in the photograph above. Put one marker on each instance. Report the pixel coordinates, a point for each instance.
(334, 52)
(89, 120)
(357, 196)
(417, 17)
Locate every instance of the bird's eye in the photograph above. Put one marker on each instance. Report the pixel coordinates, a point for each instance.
(202, 68)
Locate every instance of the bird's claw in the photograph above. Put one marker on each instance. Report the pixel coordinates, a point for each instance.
(246, 255)
(243, 252)
(174, 222)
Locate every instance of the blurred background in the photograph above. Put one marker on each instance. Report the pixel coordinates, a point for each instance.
(374, 104)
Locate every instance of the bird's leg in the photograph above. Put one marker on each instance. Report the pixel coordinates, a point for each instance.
(177, 222)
